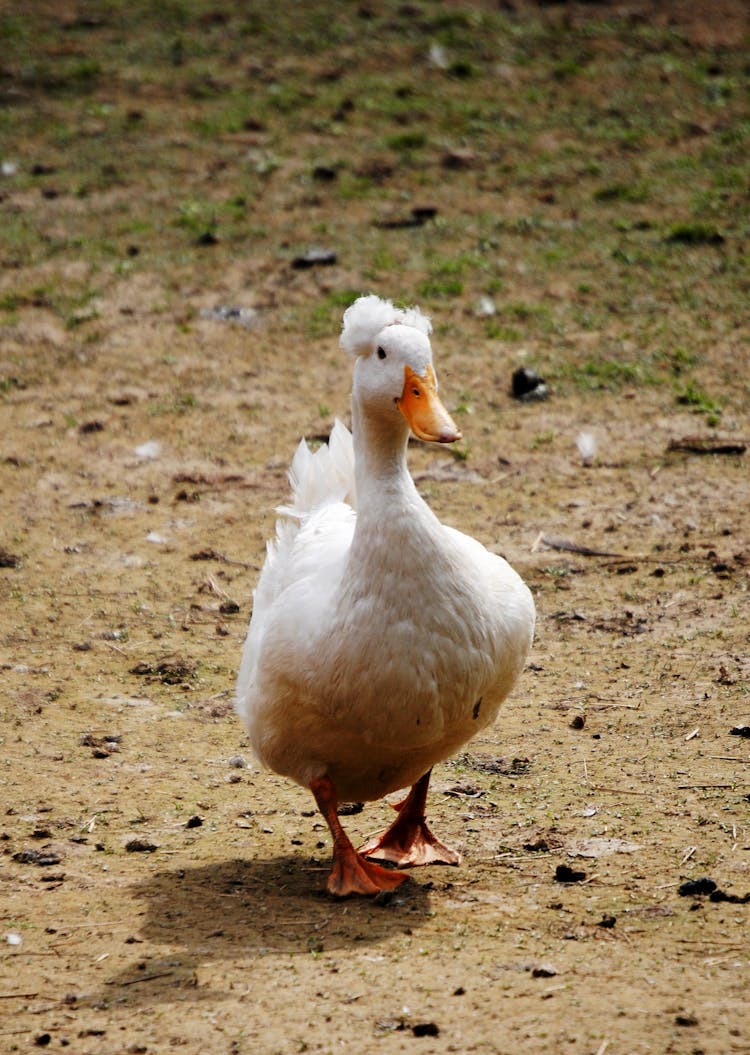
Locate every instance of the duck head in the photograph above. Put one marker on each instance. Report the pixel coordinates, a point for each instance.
(394, 377)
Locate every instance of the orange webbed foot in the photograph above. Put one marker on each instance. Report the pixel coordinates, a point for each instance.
(408, 842)
(351, 873)
(409, 847)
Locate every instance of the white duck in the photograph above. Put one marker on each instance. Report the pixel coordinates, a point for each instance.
(381, 640)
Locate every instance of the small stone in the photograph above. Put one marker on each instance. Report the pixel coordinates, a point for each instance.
(43, 858)
(349, 809)
(544, 970)
(527, 386)
(140, 846)
(314, 258)
(695, 887)
(247, 317)
(566, 874)
(238, 762)
(325, 173)
(194, 822)
(459, 158)
(426, 1029)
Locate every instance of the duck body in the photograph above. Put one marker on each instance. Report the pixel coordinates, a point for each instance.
(381, 640)
(390, 654)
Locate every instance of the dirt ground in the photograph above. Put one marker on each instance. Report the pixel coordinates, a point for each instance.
(158, 890)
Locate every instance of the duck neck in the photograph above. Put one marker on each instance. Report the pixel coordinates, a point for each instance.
(380, 467)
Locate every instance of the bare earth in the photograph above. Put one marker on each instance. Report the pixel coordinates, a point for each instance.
(158, 890)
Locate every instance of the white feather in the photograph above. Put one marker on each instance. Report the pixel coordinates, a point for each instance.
(368, 316)
(587, 446)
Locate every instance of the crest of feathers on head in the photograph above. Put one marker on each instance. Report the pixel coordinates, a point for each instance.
(367, 316)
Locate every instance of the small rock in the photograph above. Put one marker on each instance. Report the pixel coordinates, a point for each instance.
(578, 721)
(607, 922)
(42, 858)
(423, 213)
(527, 386)
(140, 846)
(741, 730)
(733, 899)
(544, 970)
(349, 809)
(566, 874)
(695, 887)
(685, 1020)
(458, 159)
(247, 317)
(419, 216)
(238, 762)
(194, 822)
(325, 173)
(426, 1029)
(229, 608)
(314, 258)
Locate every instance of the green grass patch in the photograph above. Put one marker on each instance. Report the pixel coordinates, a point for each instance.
(692, 395)
(606, 373)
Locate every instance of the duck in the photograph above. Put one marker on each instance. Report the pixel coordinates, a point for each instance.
(381, 639)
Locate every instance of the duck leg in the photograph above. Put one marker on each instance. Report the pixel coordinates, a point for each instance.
(351, 873)
(408, 841)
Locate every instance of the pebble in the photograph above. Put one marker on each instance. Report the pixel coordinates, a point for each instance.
(565, 874)
(247, 317)
(314, 258)
(528, 386)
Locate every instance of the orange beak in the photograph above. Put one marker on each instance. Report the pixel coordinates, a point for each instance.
(419, 403)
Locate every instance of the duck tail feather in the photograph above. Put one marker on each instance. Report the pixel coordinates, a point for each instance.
(323, 476)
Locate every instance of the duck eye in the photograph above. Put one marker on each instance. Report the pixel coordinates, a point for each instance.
(381, 353)
(416, 392)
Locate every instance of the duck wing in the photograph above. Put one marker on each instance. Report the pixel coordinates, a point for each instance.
(305, 560)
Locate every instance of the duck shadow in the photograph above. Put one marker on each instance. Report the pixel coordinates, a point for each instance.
(245, 909)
